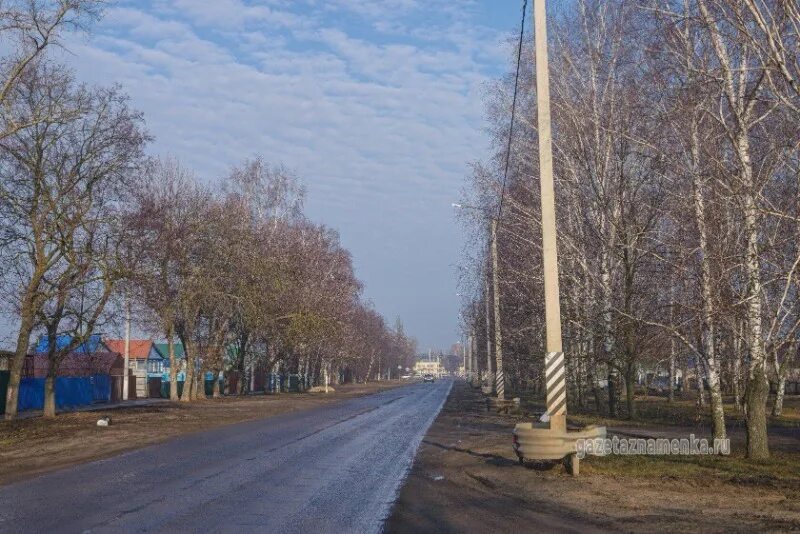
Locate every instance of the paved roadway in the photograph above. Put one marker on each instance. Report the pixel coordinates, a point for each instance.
(335, 468)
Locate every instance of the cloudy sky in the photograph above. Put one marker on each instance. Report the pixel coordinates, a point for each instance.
(376, 104)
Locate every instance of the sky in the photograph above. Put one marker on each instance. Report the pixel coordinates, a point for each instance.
(375, 104)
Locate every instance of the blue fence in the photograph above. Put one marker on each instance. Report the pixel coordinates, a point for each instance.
(71, 391)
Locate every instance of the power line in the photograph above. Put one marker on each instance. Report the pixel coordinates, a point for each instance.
(513, 109)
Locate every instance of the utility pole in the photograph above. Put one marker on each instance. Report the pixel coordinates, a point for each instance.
(554, 359)
(464, 354)
(500, 382)
(489, 376)
(469, 355)
(473, 351)
(126, 371)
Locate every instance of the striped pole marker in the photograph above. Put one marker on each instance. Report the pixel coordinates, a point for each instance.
(500, 383)
(556, 383)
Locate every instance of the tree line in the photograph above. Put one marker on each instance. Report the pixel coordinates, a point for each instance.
(90, 225)
(676, 126)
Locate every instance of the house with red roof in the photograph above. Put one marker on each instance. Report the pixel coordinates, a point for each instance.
(144, 355)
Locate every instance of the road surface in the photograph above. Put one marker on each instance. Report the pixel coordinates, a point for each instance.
(337, 468)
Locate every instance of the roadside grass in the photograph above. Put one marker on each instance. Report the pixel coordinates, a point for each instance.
(653, 410)
(36, 445)
(781, 471)
(66, 425)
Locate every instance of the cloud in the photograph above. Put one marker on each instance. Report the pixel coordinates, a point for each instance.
(380, 122)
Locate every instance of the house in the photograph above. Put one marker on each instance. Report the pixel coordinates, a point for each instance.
(92, 345)
(92, 357)
(180, 357)
(144, 356)
(6, 357)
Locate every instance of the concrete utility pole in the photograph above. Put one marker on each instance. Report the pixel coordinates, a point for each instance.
(127, 348)
(467, 353)
(500, 382)
(489, 376)
(554, 360)
(473, 351)
(496, 380)
(470, 355)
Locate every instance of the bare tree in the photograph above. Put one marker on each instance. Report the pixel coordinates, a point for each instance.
(61, 179)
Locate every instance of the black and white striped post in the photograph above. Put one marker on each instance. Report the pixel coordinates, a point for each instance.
(549, 439)
(554, 360)
(556, 384)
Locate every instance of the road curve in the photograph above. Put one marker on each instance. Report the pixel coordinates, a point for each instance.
(335, 468)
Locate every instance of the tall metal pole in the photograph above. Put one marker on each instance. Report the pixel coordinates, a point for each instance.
(500, 382)
(554, 360)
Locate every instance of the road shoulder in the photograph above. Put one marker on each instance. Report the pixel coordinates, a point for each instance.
(466, 478)
(33, 446)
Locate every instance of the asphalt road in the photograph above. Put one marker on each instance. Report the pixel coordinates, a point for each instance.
(337, 468)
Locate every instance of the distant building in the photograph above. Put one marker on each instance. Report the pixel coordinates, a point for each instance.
(424, 367)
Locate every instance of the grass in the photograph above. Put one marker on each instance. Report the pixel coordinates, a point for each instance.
(682, 412)
(781, 471)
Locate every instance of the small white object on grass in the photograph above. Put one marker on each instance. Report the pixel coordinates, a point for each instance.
(104, 421)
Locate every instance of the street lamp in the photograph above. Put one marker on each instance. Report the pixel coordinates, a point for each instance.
(498, 384)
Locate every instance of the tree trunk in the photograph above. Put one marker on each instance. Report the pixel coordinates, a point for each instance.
(598, 405)
(50, 394)
(215, 392)
(671, 385)
(629, 391)
(612, 393)
(15, 372)
(709, 354)
(777, 408)
(188, 384)
(672, 341)
(173, 366)
(780, 374)
(369, 367)
(701, 390)
(737, 372)
(757, 387)
(717, 408)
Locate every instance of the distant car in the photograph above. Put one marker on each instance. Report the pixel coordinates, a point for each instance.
(428, 378)
(406, 377)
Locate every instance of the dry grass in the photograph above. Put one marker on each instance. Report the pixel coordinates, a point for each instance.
(36, 445)
(466, 479)
(684, 412)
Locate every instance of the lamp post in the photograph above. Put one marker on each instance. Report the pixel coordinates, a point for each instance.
(496, 381)
(554, 359)
(500, 382)
(127, 349)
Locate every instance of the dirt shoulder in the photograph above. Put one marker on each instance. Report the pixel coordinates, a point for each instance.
(466, 478)
(29, 447)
